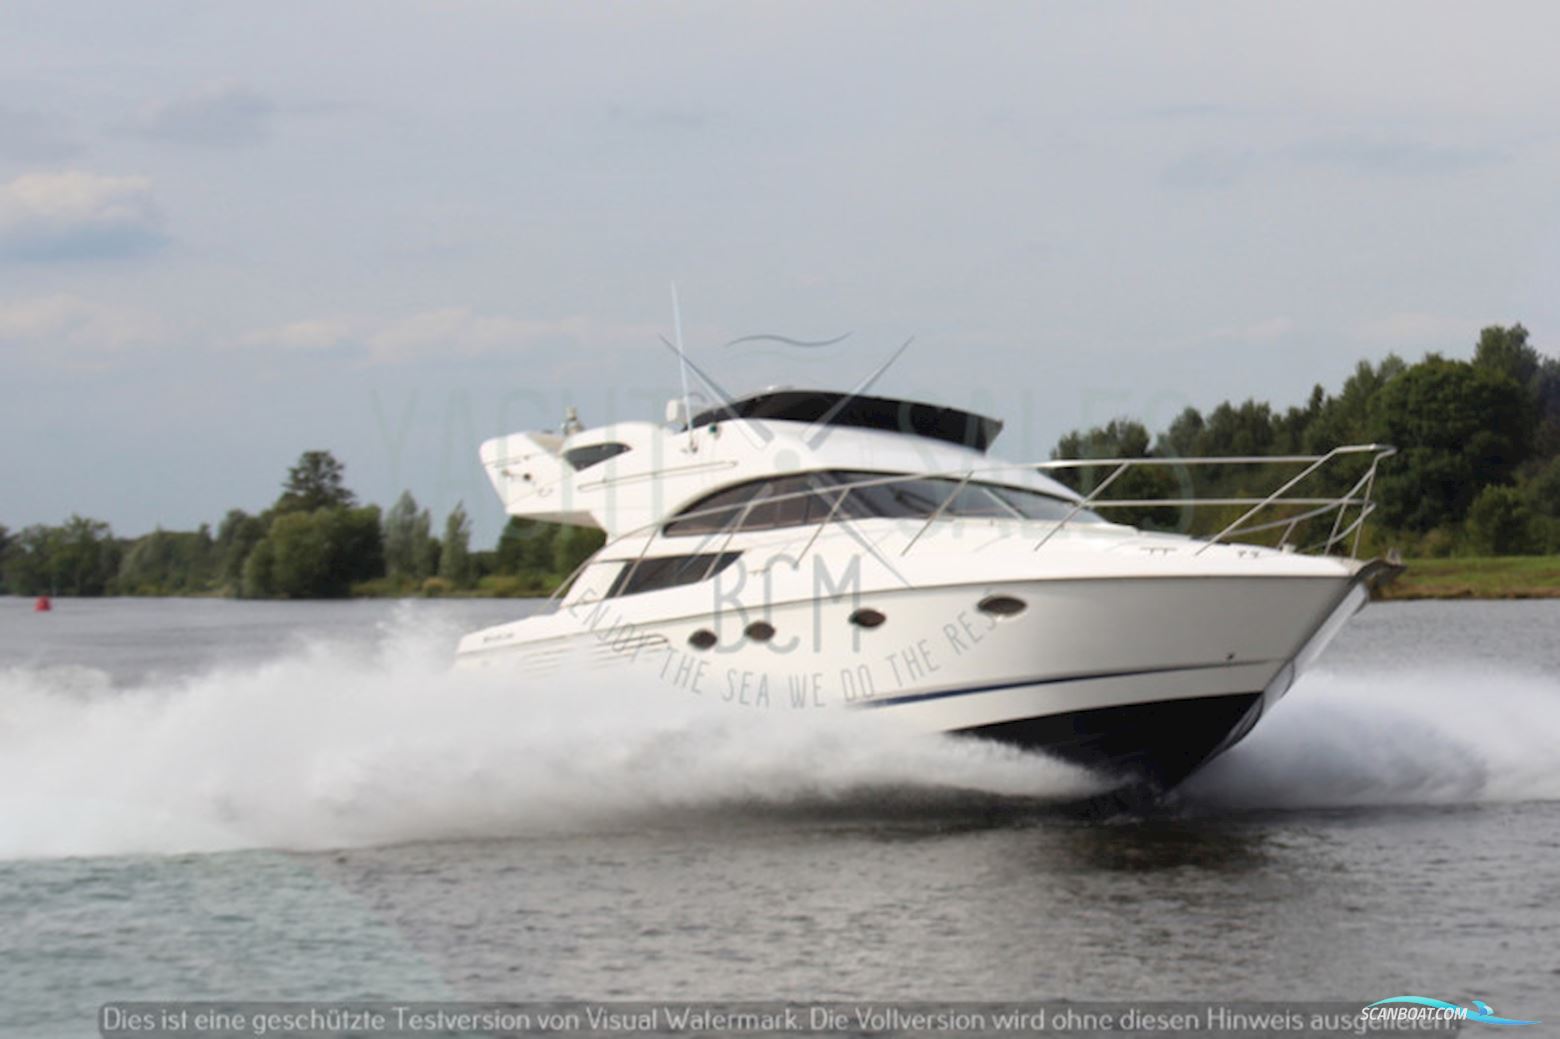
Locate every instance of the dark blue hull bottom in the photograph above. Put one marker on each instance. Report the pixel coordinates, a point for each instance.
(1153, 745)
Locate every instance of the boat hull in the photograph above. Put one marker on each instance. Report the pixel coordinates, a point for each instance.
(1150, 727)
(1157, 744)
(1144, 680)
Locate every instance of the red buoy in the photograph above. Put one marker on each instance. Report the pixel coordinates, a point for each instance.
(43, 605)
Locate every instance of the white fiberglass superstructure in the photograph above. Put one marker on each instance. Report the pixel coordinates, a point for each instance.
(811, 550)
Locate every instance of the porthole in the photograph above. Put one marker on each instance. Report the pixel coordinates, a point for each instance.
(704, 638)
(866, 617)
(1002, 606)
(760, 631)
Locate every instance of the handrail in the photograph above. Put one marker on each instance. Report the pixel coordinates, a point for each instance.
(1359, 495)
(1082, 504)
(936, 513)
(1307, 471)
(1316, 462)
(833, 509)
(731, 530)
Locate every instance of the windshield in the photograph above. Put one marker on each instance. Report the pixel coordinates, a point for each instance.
(807, 498)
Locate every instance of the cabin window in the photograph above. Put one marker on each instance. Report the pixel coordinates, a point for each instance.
(785, 501)
(919, 498)
(807, 498)
(656, 572)
(594, 454)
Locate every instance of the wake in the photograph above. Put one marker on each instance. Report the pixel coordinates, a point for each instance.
(344, 745)
(1442, 736)
(341, 746)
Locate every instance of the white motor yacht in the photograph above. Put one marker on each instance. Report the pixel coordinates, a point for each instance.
(801, 550)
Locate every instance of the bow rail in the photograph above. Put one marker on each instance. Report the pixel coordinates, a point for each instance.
(1350, 508)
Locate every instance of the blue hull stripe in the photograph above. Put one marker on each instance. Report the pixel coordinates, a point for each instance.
(892, 701)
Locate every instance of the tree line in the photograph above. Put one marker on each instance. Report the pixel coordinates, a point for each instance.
(1477, 470)
(1477, 473)
(315, 542)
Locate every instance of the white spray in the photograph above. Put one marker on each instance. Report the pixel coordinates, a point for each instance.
(344, 746)
(341, 746)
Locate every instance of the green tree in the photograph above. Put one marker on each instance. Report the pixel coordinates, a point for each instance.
(1506, 350)
(525, 548)
(425, 559)
(1246, 429)
(572, 546)
(259, 580)
(27, 561)
(1543, 489)
(455, 550)
(237, 536)
(321, 554)
(1501, 524)
(1542, 493)
(1184, 438)
(1295, 424)
(1459, 428)
(1347, 418)
(301, 551)
(316, 482)
(1119, 438)
(84, 557)
(1546, 391)
(357, 547)
(401, 537)
(166, 563)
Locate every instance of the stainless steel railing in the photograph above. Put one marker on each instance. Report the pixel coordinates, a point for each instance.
(1345, 523)
(1357, 496)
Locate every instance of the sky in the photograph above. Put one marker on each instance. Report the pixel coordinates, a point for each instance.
(230, 233)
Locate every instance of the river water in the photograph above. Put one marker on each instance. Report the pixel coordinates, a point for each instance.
(229, 800)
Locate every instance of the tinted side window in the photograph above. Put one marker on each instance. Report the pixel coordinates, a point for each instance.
(656, 572)
(721, 508)
(919, 498)
(786, 501)
(595, 454)
(791, 501)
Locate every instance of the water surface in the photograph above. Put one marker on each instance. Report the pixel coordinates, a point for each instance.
(212, 799)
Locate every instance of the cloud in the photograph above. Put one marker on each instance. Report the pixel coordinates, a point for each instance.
(304, 336)
(447, 333)
(1189, 110)
(658, 119)
(1369, 156)
(1208, 168)
(1266, 330)
(1397, 157)
(219, 115)
(72, 331)
(1417, 328)
(460, 332)
(1221, 339)
(29, 136)
(71, 215)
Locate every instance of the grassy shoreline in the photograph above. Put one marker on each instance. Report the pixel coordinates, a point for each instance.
(1476, 577)
(1464, 577)
(1472, 577)
(1469, 577)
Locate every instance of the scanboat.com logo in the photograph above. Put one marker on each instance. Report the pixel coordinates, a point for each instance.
(1405, 1006)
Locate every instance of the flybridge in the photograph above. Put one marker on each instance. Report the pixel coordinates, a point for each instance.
(831, 408)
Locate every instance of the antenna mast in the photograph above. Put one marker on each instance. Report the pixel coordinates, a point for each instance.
(682, 367)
